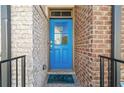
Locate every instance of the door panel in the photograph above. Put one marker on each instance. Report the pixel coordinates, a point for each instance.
(60, 44)
(65, 54)
(57, 57)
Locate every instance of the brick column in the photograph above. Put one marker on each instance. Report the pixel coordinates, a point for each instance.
(30, 35)
(21, 39)
(92, 38)
(83, 44)
(101, 39)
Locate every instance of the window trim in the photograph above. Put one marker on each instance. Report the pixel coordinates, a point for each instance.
(60, 10)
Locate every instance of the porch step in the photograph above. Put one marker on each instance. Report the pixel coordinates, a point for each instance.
(60, 78)
(75, 84)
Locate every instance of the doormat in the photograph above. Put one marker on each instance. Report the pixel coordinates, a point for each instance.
(60, 78)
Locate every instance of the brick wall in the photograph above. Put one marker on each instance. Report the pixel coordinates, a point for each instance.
(101, 38)
(92, 38)
(40, 46)
(29, 37)
(21, 39)
(83, 44)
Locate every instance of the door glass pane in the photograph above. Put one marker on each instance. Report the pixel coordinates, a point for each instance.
(66, 13)
(58, 29)
(55, 13)
(64, 39)
(61, 27)
(57, 39)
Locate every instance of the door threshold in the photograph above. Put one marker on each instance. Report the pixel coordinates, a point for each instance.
(60, 72)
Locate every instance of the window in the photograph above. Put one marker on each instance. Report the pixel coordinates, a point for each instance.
(57, 39)
(58, 29)
(60, 34)
(55, 13)
(65, 13)
(64, 39)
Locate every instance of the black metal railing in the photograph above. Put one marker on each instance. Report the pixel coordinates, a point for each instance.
(109, 65)
(9, 70)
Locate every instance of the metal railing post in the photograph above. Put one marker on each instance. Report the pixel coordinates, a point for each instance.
(16, 72)
(112, 73)
(9, 73)
(24, 71)
(23, 65)
(109, 73)
(101, 72)
(112, 70)
(115, 75)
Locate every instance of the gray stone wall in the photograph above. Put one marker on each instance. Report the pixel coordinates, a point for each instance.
(29, 37)
(40, 46)
(21, 31)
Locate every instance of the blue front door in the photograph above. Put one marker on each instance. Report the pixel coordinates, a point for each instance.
(60, 44)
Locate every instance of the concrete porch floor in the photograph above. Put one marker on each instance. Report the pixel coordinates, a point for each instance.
(76, 82)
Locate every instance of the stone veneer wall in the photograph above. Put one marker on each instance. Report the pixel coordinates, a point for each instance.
(21, 38)
(29, 37)
(92, 38)
(40, 46)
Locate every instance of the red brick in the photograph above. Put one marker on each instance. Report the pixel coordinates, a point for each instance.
(92, 35)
